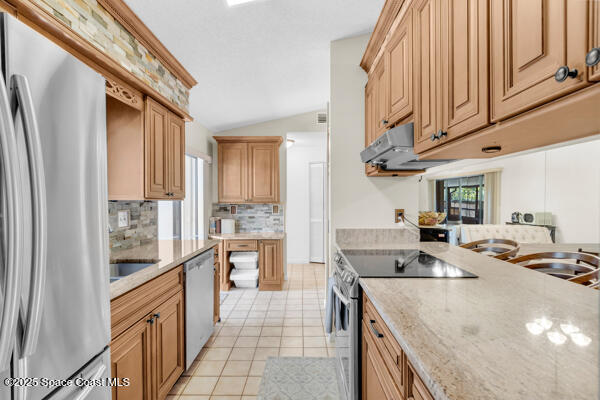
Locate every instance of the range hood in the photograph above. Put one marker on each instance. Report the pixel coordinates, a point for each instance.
(394, 151)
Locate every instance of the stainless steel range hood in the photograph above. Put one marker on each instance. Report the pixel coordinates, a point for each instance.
(394, 151)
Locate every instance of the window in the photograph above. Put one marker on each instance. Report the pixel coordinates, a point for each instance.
(462, 199)
(184, 219)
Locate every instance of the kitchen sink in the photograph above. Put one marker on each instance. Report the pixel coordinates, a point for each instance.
(120, 270)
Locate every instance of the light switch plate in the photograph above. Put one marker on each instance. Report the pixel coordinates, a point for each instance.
(123, 219)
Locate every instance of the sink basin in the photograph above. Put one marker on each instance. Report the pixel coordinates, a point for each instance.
(120, 270)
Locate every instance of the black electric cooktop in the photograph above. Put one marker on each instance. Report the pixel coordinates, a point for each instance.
(402, 264)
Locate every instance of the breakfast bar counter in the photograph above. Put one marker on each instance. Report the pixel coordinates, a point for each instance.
(503, 335)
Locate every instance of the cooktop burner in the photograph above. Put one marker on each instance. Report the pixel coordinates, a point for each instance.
(402, 264)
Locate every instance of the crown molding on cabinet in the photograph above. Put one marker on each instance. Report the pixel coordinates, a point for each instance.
(249, 139)
(126, 17)
(47, 25)
(390, 10)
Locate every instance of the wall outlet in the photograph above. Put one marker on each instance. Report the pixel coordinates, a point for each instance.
(399, 215)
(123, 219)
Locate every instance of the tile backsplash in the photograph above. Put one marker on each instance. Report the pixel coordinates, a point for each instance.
(143, 224)
(252, 217)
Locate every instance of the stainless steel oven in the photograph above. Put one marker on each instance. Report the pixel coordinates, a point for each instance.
(347, 343)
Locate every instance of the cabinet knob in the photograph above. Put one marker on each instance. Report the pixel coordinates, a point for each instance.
(384, 121)
(157, 315)
(434, 137)
(564, 72)
(592, 58)
(442, 133)
(150, 321)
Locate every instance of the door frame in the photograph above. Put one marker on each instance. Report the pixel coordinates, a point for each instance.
(323, 164)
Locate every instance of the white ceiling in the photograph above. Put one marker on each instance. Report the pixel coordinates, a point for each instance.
(258, 61)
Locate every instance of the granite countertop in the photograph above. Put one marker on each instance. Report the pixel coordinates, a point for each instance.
(164, 254)
(468, 338)
(248, 236)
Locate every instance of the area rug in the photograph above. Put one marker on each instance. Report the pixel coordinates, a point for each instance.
(299, 378)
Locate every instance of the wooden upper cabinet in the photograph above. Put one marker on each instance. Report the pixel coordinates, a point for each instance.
(594, 37)
(530, 41)
(170, 351)
(263, 175)
(464, 61)
(271, 265)
(131, 357)
(369, 112)
(400, 70)
(157, 150)
(233, 172)
(176, 159)
(381, 108)
(426, 22)
(248, 169)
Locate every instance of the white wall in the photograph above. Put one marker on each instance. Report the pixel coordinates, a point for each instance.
(564, 181)
(358, 201)
(297, 215)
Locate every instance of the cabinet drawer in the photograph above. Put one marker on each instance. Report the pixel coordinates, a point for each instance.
(390, 351)
(417, 389)
(129, 308)
(241, 245)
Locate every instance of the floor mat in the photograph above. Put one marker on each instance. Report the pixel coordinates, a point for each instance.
(299, 378)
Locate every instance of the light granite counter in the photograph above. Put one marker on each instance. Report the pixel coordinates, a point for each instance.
(248, 236)
(165, 254)
(468, 338)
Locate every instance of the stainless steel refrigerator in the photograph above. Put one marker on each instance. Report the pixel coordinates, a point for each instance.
(54, 284)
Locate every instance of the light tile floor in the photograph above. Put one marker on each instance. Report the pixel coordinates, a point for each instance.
(254, 326)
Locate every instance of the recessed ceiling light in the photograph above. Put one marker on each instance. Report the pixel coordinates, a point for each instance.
(232, 3)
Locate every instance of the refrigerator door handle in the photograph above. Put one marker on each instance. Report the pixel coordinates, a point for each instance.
(88, 388)
(13, 223)
(39, 230)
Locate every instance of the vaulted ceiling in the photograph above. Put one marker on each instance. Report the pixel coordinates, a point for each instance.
(259, 61)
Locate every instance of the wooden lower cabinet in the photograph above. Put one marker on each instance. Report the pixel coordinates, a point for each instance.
(169, 336)
(148, 344)
(377, 383)
(131, 357)
(386, 372)
(270, 274)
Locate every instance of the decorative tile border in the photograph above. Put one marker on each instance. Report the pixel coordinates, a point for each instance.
(90, 20)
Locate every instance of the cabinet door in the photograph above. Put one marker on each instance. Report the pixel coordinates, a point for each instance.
(427, 72)
(176, 162)
(594, 37)
(530, 41)
(400, 70)
(369, 112)
(130, 357)
(271, 265)
(375, 377)
(381, 109)
(156, 151)
(464, 66)
(170, 351)
(233, 172)
(263, 172)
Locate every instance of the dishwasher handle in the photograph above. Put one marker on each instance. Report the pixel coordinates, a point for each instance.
(200, 261)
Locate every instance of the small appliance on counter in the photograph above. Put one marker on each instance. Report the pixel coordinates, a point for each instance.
(227, 225)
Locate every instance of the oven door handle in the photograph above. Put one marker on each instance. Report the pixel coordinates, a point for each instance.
(341, 296)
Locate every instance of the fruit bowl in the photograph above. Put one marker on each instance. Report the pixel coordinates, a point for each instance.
(431, 218)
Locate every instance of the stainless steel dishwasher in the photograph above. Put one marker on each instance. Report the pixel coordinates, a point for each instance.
(199, 286)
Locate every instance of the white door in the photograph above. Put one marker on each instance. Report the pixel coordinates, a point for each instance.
(317, 179)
